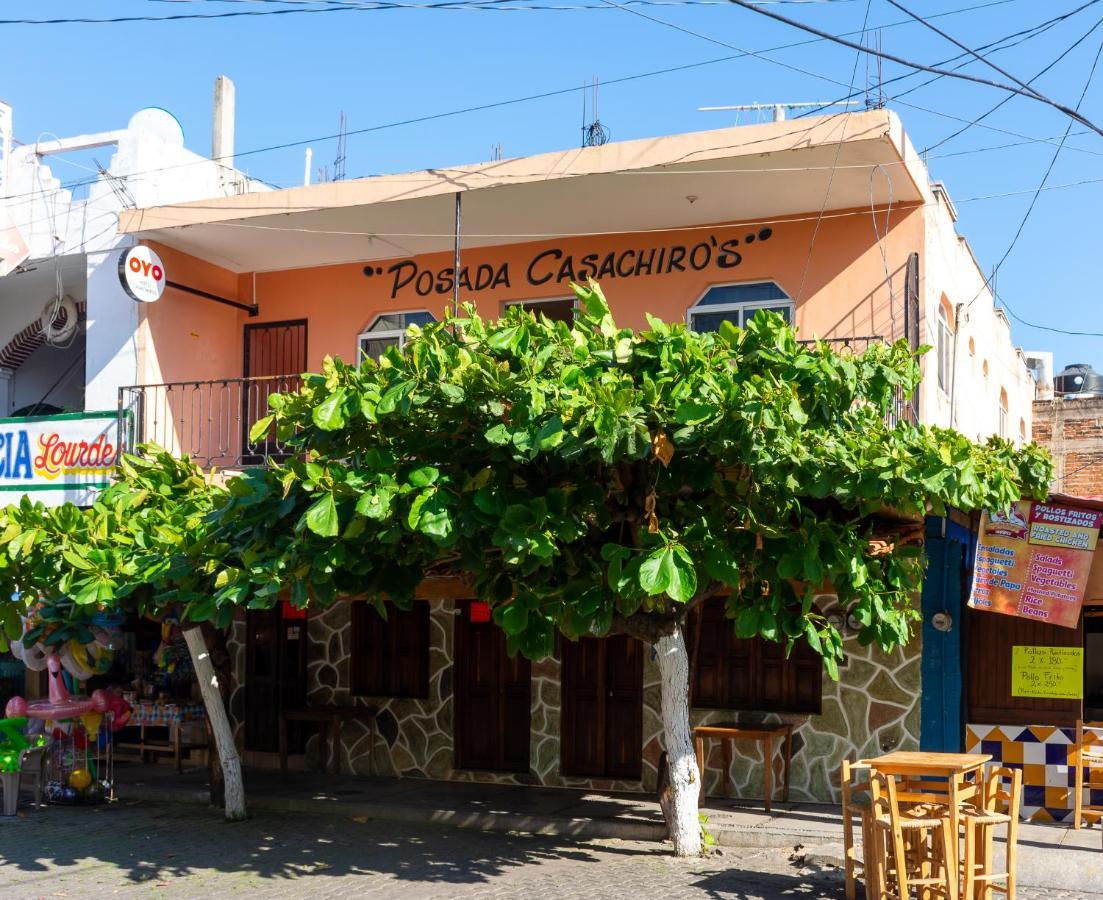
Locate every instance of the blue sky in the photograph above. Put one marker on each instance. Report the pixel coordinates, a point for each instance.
(296, 73)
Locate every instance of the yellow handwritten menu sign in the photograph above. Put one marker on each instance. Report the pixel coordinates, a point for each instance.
(1056, 673)
(1033, 561)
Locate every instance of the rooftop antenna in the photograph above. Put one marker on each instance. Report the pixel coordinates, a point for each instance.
(342, 142)
(875, 89)
(594, 134)
(496, 153)
(778, 109)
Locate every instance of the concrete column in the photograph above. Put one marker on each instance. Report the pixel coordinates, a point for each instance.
(111, 356)
(7, 391)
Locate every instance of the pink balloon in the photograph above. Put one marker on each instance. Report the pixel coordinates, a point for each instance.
(16, 708)
(101, 699)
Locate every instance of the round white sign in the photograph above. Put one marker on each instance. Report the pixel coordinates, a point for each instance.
(142, 274)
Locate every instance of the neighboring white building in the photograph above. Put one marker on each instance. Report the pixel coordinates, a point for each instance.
(982, 385)
(65, 323)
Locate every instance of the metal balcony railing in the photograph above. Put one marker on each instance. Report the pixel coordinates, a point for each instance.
(208, 421)
(902, 410)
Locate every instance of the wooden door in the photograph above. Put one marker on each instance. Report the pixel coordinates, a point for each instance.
(275, 676)
(492, 699)
(601, 734)
(274, 353)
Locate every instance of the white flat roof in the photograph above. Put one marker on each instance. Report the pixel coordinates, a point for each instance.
(750, 173)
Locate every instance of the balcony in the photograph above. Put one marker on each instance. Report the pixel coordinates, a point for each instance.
(208, 421)
(902, 410)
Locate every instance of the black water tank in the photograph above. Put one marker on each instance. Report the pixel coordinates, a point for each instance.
(1078, 380)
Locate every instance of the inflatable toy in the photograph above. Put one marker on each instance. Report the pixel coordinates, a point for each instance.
(60, 705)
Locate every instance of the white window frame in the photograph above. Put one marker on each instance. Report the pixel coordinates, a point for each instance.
(696, 309)
(1004, 419)
(396, 334)
(943, 361)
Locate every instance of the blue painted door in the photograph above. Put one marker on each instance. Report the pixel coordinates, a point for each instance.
(940, 701)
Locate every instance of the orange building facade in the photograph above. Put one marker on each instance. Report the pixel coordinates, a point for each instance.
(831, 222)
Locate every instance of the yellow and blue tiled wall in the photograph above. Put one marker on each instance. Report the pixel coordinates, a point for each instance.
(1043, 753)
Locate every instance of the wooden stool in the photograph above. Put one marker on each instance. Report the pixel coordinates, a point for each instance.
(903, 840)
(1001, 807)
(856, 804)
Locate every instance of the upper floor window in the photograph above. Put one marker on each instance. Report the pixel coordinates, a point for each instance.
(737, 303)
(1022, 431)
(389, 330)
(1004, 422)
(558, 309)
(945, 350)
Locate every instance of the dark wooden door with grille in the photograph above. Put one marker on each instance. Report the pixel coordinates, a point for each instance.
(275, 354)
(602, 720)
(492, 699)
(275, 677)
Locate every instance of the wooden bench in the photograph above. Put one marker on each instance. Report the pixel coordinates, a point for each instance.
(174, 746)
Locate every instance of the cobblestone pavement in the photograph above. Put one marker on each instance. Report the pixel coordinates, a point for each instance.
(142, 849)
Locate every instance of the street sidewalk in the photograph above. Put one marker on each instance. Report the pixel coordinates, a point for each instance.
(1050, 856)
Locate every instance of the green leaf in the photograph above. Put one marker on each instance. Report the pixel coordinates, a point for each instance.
(321, 517)
(513, 618)
(260, 429)
(669, 570)
(329, 415)
(424, 476)
(551, 434)
(375, 503)
(692, 413)
(499, 435)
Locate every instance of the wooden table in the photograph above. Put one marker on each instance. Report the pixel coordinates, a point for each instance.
(335, 717)
(767, 735)
(946, 778)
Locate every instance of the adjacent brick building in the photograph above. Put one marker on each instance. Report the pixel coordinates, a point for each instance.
(1072, 430)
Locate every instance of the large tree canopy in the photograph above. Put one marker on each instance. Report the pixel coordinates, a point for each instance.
(591, 478)
(583, 478)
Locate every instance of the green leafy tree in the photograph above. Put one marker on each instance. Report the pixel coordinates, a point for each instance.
(147, 545)
(590, 480)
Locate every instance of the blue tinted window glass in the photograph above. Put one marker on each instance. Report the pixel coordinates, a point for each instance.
(743, 293)
(711, 321)
(420, 319)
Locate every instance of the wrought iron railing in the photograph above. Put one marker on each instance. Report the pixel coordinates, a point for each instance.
(208, 421)
(903, 409)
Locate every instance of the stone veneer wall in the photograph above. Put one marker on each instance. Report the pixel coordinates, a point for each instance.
(873, 708)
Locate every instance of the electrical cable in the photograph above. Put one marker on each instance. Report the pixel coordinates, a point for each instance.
(994, 46)
(1008, 98)
(568, 90)
(1026, 216)
(892, 57)
(973, 53)
(371, 6)
(834, 165)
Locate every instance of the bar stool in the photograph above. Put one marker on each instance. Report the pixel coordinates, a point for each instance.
(930, 867)
(857, 803)
(1000, 807)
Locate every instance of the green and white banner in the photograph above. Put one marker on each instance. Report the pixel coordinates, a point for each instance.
(56, 459)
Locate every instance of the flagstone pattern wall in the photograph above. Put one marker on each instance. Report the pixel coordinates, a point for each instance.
(873, 708)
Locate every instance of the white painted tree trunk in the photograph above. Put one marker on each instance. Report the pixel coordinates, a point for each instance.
(220, 723)
(685, 780)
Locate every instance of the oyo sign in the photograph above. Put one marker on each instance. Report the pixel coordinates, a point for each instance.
(142, 274)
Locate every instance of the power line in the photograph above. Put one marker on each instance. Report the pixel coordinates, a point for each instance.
(1008, 98)
(371, 5)
(741, 54)
(997, 45)
(1030, 209)
(891, 57)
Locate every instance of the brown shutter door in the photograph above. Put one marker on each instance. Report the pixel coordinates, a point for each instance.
(623, 706)
(581, 731)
